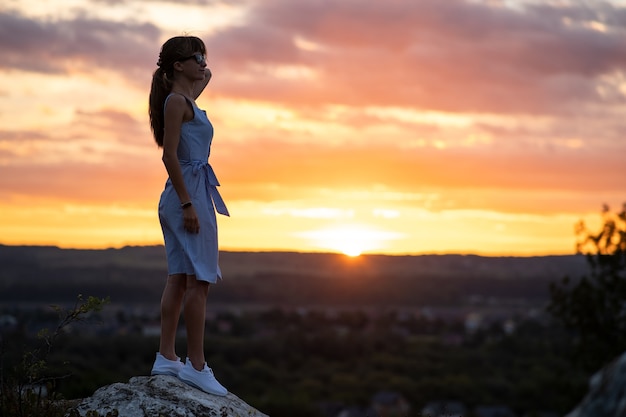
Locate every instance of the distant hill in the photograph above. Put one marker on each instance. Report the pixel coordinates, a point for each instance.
(137, 274)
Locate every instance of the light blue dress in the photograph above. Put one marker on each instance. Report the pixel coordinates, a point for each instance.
(193, 253)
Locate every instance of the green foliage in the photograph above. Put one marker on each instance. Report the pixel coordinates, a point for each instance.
(594, 307)
(29, 390)
(288, 372)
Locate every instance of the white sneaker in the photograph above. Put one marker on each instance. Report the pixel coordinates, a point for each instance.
(203, 380)
(164, 366)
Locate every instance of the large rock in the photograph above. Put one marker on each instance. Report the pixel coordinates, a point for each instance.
(607, 392)
(165, 396)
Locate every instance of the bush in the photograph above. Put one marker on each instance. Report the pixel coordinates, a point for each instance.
(28, 390)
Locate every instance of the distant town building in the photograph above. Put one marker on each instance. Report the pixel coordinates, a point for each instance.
(390, 404)
(444, 409)
(493, 411)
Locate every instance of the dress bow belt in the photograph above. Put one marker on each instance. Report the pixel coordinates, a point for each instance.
(204, 168)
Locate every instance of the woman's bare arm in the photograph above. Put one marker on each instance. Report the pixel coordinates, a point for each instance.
(174, 117)
(199, 86)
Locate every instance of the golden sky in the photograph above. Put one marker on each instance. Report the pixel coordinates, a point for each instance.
(387, 126)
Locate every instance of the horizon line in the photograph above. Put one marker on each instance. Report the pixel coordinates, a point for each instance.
(294, 251)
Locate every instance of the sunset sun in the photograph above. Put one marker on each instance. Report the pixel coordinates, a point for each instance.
(351, 251)
(351, 240)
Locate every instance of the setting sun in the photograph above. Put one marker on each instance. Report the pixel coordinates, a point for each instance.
(351, 240)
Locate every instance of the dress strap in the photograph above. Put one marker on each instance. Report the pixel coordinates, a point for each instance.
(174, 94)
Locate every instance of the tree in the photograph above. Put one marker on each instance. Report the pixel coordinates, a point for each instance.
(29, 391)
(593, 309)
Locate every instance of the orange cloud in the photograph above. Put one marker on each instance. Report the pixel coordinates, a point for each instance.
(451, 56)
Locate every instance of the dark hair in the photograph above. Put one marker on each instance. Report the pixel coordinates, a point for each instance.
(175, 49)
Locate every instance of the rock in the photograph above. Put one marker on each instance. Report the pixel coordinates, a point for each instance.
(607, 392)
(165, 396)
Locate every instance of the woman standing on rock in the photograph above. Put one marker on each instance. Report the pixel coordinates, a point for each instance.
(187, 206)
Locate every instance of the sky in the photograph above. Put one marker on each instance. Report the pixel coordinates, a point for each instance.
(485, 127)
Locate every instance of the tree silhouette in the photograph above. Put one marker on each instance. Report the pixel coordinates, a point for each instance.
(594, 307)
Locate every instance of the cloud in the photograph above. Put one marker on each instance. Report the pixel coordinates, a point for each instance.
(117, 125)
(81, 43)
(120, 163)
(306, 56)
(409, 170)
(177, 2)
(104, 155)
(451, 56)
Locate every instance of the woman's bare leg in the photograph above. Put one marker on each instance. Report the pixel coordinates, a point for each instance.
(171, 303)
(195, 311)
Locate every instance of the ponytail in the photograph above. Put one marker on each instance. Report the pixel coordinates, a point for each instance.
(161, 87)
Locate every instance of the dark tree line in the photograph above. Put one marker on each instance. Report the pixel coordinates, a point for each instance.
(593, 308)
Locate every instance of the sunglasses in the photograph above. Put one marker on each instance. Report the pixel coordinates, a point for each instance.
(200, 59)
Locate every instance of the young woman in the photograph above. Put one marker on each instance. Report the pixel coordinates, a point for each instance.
(187, 206)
